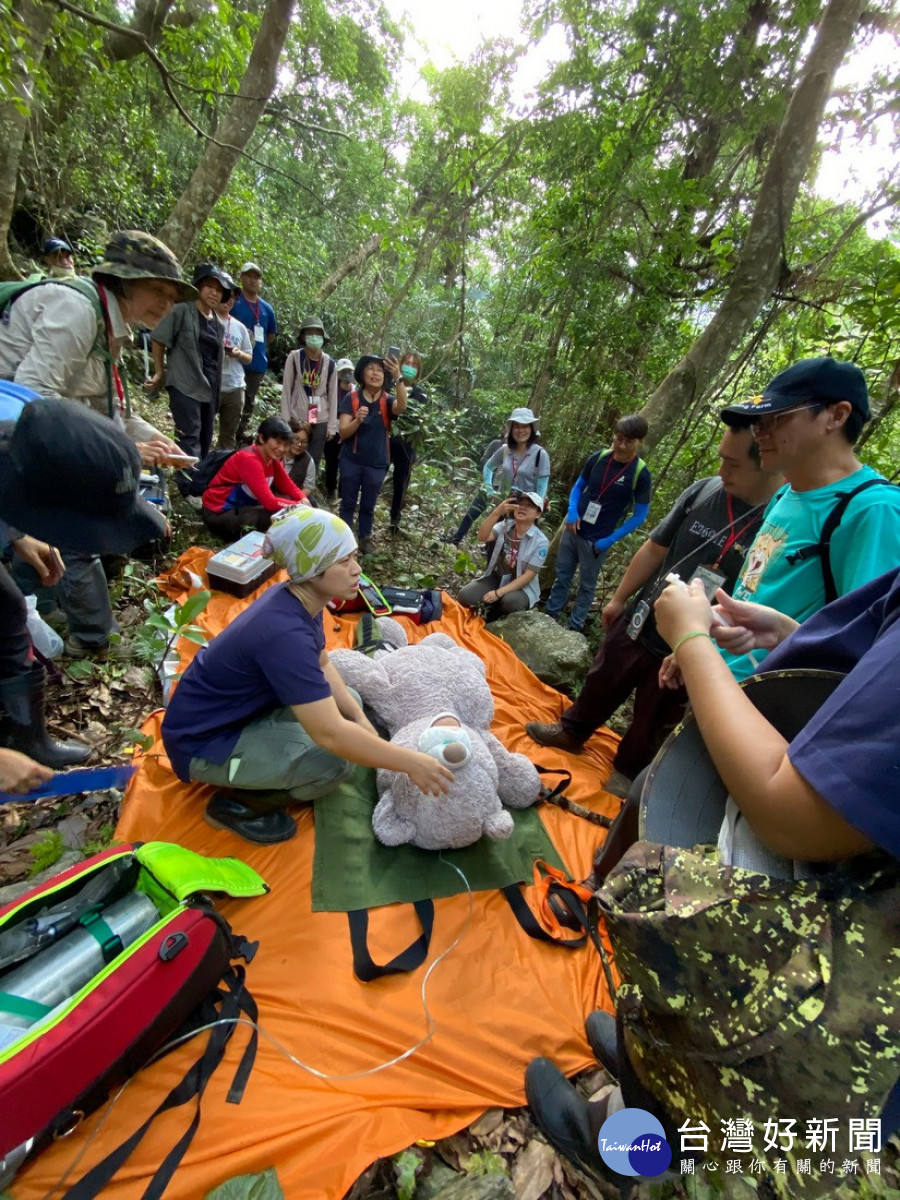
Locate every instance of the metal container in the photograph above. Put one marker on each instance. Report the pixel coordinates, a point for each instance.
(57, 973)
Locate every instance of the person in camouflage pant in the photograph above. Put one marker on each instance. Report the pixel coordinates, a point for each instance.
(763, 997)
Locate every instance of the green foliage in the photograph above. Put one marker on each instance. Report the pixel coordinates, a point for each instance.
(45, 852)
(102, 841)
(406, 1166)
(162, 629)
(486, 1162)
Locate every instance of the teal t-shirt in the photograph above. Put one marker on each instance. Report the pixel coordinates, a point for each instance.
(864, 546)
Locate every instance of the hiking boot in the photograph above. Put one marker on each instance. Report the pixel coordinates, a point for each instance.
(600, 1030)
(395, 528)
(23, 725)
(618, 785)
(224, 811)
(365, 545)
(569, 1122)
(553, 734)
(74, 647)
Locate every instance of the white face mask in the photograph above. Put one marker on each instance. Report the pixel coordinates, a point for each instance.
(437, 740)
(314, 341)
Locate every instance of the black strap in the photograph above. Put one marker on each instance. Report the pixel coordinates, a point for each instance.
(234, 1000)
(822, 548)
(563, 783)
(529, 921)
(364, 966)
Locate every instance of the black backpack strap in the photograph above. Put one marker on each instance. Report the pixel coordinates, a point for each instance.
(822, 548)
(234, 999)
(530, 923)
(364, 966)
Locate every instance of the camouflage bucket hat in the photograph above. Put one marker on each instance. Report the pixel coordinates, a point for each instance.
(131, 254)
(683, 799)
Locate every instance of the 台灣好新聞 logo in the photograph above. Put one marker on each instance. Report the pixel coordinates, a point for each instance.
(632, 1142)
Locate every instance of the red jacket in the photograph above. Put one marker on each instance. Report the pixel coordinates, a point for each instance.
(245, 479)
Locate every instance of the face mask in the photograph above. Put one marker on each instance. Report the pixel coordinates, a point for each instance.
(347, 378)
(408, 372)
(314, 341)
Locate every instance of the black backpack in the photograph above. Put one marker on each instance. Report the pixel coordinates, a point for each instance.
(193, 481)
(822, 548)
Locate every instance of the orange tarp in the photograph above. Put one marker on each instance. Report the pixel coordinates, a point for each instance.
(497, 1000)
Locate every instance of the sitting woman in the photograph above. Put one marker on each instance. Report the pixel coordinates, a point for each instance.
(262, 713)
(521, 464)
(820, 807)
(298, 462)
(251, 485)
(517, 554)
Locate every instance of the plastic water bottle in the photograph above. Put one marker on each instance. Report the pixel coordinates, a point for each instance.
(44, 639)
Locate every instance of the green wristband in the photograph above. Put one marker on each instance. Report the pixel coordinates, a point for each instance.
(686, 636)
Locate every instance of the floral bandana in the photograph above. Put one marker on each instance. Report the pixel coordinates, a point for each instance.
(307, 541)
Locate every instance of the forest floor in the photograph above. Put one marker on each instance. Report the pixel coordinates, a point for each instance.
(501, 1155)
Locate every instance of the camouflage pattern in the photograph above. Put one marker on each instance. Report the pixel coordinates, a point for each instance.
(751, 997)
(131, 254)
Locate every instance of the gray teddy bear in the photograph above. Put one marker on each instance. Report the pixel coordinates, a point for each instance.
(434, 697)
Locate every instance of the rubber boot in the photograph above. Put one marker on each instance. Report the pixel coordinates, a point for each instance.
(23, 727)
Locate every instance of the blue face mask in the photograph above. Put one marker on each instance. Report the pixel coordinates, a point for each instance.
(314, 341)
(408, 372)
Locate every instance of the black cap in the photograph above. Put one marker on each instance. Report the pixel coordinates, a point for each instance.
(69, 476)
(825, 379)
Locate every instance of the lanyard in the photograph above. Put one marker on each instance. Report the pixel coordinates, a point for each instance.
(255, 311)
(511, 546)
(604, 486)
(517, 464)
(735, 533)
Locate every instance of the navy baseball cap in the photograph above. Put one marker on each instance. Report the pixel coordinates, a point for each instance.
(823, 379)
(69, 476)
(52, 244)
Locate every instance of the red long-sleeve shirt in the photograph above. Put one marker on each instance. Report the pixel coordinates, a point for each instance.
(246, 479)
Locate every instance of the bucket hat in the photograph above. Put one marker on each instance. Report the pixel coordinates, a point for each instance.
(313, 323)
(521, 416)
(683, 799)
(825, 379)
(363, 362)
(131, 254)
(70, 477)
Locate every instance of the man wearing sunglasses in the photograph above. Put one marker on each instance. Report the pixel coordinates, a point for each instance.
(805, 424)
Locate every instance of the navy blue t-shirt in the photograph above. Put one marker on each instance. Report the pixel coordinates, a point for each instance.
(850, 750)
(615, 486)
(369, 445)
(266, 659)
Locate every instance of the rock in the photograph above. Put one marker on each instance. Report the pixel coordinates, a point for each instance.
(73, 830)
(478, 1187)
(557, 656)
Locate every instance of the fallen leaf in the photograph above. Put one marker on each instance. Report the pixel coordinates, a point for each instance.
(532, 1172)
(487, 1123)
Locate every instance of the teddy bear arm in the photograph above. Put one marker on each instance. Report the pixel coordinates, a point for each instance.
(519, 784)
(389, 827)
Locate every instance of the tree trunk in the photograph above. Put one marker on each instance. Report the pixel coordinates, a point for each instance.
(212, 173)
(542, 383)
(35, 20)
(761, 262)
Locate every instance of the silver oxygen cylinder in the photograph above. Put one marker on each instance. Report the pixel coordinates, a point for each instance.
(59, 971)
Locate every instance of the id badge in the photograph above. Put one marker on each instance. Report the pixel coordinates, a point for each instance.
(259, 334)
(312, 415)
(638, 620)
(592, 512)
(711, 580)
